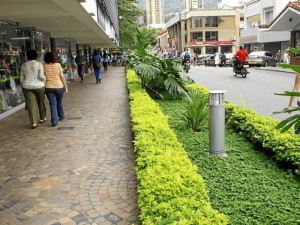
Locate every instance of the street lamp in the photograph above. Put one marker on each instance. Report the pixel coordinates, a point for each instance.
(217, 123)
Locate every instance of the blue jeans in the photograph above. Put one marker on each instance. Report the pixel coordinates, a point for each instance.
(98, 74)
(55, 97)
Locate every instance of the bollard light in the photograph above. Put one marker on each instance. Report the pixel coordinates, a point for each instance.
(217, 123)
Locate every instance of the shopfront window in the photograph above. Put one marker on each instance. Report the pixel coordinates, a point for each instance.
(226, 49)
(14, 42)
(211, 49)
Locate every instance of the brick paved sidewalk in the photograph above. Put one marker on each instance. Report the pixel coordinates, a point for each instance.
(80, 172)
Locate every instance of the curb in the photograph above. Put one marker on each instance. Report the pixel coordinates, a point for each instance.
(275, 69)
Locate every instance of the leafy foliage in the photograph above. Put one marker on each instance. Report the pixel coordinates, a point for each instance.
(158, 75)
(293, 121)
(169, 189)
(261, 130)
(129, 13)
(195, 111)
(248, 186)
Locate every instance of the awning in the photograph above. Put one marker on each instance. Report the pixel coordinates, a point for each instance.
(67, 19)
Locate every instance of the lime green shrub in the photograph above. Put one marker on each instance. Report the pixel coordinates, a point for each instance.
(170, 191)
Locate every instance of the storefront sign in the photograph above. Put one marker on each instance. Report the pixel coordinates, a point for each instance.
(248, 39)
(216, 43)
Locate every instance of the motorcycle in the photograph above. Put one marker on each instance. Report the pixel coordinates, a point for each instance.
(186, 66)
(240, 70)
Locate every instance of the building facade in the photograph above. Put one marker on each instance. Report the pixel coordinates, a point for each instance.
(205, 31)
(62, 27)
(194, 4)
(155, 12)
(258, 14)
(288, 20)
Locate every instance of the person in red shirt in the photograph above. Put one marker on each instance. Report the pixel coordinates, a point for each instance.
(241, 56)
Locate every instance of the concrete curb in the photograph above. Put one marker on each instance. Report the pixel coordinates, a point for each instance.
(276, 69)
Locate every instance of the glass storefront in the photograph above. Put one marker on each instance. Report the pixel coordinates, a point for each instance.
(14, 42)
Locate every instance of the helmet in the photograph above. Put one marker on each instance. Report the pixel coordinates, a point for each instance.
(242, 46)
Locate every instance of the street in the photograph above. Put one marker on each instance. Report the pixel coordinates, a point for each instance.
(256, 91)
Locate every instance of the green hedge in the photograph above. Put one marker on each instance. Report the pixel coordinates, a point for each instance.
(170, 191)
(261, 129)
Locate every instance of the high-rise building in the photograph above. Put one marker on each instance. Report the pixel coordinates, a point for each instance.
(194, 4)
(155, 11)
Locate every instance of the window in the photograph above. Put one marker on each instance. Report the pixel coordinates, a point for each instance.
(211, 21)
(196, 22)
(211, 50)
(268, 15)
(253, 21)
(197, 36)
(226, 48)
(211, 35)
(268, 54)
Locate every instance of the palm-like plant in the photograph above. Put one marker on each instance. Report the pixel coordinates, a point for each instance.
(195, 112)
(157, 75)
(293, 121)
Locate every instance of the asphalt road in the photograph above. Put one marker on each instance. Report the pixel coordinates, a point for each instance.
(255, 92)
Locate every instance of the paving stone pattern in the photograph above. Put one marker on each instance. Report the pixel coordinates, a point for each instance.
(79, 172)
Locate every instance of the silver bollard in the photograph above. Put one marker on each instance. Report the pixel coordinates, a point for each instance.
(217, 123)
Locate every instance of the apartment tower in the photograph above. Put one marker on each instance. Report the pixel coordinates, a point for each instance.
(155, 11)
(194, 4)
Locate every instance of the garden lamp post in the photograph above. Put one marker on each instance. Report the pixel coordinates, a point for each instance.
(217, 123)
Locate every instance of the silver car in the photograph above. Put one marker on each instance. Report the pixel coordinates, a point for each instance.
(230, 57)
(261, 58)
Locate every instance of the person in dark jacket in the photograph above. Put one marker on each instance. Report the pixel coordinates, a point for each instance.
(80, 61)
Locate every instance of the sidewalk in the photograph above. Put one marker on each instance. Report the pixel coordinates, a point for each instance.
(276, 69)
(79, 172)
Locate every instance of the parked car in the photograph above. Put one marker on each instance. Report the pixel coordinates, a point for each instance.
(230, 57)
(261, 58)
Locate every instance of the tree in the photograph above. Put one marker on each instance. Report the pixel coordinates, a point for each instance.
(128, 14)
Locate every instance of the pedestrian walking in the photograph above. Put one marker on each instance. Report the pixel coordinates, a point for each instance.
(32, 79)
(71, 67)
(223, 59)
(286, 57)
(114, 60)
(278, 57)
(105, 61)
(292, 98)
(96, 60)
(80, 61)
(55, 87)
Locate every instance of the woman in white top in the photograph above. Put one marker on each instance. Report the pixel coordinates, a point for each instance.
(33, 86)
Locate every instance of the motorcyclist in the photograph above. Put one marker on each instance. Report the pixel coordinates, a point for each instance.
(241, 56)
(186, 56)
